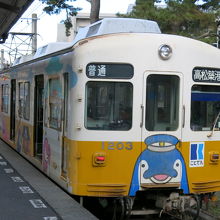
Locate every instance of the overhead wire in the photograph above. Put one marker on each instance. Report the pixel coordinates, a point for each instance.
(21, 29)
(30, 11)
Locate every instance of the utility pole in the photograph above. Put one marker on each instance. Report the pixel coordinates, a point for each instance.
(22, 43)
(34, 32)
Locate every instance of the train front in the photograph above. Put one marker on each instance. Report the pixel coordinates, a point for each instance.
(127, 146)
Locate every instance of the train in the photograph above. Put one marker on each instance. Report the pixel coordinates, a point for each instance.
(124, 114)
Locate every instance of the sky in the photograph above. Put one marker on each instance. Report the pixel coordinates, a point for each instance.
(47, 24)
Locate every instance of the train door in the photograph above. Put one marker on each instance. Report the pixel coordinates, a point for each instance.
(12, 111)
(54, 158)
(160, 161)
(38, 116)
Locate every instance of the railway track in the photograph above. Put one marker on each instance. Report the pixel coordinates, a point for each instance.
(203, 215)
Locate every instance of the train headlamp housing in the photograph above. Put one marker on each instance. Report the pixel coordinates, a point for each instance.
(99, 159)
(165, 52)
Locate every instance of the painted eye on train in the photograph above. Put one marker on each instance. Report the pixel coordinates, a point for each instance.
(161, 144)
(143, 168)
(177, 166)
(143, 165)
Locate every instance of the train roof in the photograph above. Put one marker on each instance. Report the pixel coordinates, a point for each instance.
(102, 27)
(118, 25)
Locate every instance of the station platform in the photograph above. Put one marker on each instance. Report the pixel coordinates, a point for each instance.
(25, 193)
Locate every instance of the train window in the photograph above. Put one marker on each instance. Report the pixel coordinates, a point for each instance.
(109, 105)
(162, 103)
(205, 107)
(24, 100)
(55, 103)
(5, 98)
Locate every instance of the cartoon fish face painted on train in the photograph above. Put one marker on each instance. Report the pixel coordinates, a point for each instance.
(160, 163)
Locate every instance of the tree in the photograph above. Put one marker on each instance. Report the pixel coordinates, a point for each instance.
(191, 18)
(214, 4)
(56, 6)
(95, 8)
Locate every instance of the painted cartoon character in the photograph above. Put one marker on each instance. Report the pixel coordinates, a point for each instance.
(160, 163)
(19, 141)
(46, 155)
(26, 140)
(3, 128)
(23, 141)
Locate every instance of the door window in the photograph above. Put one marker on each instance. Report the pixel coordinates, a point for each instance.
(55, 102)
(24, 100)
(162, 103)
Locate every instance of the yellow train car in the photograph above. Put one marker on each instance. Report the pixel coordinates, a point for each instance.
(124, 114)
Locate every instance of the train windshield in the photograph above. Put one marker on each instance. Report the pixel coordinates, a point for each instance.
(109, 105)
(205, 106)
(162, 103)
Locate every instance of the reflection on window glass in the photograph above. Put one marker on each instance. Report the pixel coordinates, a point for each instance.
(55, 103)
(21, 100)
(5, 98)
(205, 106)
(24, 100)
(162, 103)
(27, 100)
(109, 105)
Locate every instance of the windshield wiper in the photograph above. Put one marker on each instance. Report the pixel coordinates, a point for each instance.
(214, 124)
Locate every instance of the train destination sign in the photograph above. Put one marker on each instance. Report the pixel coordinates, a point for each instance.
(203, 74)
(109, 71)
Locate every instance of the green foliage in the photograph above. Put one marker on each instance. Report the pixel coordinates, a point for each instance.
(56, 6)
(189, 18)
(214, 4)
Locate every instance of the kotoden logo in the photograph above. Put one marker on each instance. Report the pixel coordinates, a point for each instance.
(197, 154)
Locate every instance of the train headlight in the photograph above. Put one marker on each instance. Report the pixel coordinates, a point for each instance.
(165, 52)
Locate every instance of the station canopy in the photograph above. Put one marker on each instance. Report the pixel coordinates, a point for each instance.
(10, 12)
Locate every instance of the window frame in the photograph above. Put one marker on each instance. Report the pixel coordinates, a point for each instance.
(208, 93)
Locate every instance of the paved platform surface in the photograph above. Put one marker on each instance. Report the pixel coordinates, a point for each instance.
(25, 193)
